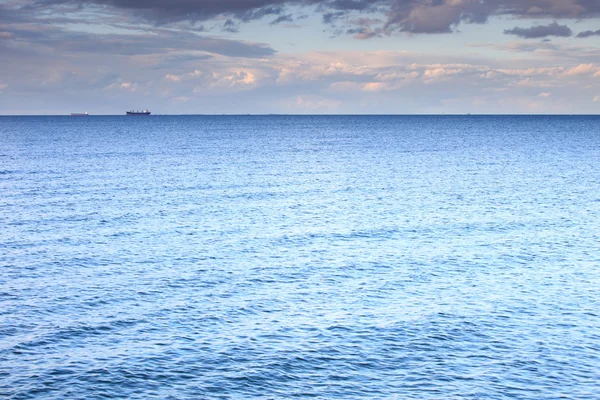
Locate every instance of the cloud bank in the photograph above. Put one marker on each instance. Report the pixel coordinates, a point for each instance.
(414, 16)
(587, 34)
(541, 31)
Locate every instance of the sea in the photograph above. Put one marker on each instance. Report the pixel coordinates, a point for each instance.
(296, 257)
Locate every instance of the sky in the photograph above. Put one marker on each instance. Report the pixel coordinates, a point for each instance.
(300, 56)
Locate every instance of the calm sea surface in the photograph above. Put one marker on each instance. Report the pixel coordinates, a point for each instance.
(277, 257)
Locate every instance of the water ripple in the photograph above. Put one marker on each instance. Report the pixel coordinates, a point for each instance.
(300, 257)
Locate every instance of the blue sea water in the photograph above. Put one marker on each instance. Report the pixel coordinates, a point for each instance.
(279, 257)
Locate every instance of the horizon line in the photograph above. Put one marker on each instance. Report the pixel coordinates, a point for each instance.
(304, 114)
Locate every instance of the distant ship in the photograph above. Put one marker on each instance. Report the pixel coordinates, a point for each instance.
(85, 114)
(143, 112)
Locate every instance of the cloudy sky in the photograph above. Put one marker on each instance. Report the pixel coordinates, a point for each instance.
(299, 56)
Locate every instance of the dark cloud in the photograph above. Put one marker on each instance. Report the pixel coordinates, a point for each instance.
(361, 33)
(443, 16)
(365, 28)
(548, 8)
(42, 37)
(588, 34)
(231, 26)
(435, 16)
(28, 33)
(164, 11)
(356, 5)
(414, 16)
(541, 31)
(329, 18)
(282, 18)
(261, 12)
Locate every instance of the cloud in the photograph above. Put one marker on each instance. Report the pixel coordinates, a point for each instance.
(172, 78)
(541, 31)
(582, 69)
(414, 16)
(231, 26)
(596, 99)
(67, 31)
(374, 81)
(519, 47)
(393, 72)
(330, 17)
(436, 16)
(223, 77)
(282, 18)
(234, 79)
(153, 41)
(365, 28)
(128, 86)
(546, 52)
(587, 34)
(362, 33)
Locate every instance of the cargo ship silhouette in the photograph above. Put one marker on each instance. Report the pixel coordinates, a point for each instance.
(143, 112)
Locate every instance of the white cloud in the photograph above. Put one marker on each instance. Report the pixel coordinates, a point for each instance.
(352, 81)
(438, 73)
(582, 69)
(196, 73)
(236, 78)
(383, 80)
(596, 99)
(173, 78)
(377, 86)
(128, 86)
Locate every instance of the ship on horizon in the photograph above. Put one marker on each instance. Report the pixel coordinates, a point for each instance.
(85, 114)
(143, 112)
